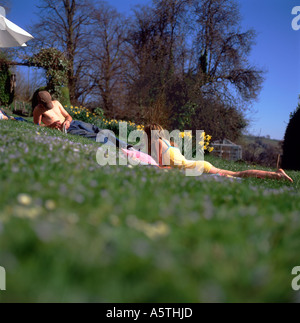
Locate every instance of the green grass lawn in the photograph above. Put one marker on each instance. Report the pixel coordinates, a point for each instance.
(72, 231)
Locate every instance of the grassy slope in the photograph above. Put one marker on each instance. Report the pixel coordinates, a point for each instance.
(251, 139)
(117, 234)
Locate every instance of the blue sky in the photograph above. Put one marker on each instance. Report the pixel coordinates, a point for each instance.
(277, 51)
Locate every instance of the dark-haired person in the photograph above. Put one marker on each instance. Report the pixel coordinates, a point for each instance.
(50, 113)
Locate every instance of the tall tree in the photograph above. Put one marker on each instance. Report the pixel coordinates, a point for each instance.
(66, 25)
(157, 44)
(106, 58)
(190, 57)
(221, 52)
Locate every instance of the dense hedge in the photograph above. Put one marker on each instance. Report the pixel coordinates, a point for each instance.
(6, 95)
(291, 144)
(56, 67)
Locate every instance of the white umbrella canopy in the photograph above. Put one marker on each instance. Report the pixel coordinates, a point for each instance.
(11, 35)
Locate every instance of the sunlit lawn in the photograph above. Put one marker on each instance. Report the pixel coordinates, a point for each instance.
(72, 231)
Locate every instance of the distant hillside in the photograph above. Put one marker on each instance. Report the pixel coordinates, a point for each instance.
(247, 139)
(260, 150)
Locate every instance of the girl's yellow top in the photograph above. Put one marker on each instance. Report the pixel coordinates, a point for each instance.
(173, 157)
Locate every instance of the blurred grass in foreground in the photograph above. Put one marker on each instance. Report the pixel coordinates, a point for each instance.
(72, 231)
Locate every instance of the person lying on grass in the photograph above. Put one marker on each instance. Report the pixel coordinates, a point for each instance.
(168, 155)
(3, 116)
(50, 113)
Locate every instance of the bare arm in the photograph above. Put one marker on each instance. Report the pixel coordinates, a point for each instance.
(68, 118)
(159, 150)
(37, 117)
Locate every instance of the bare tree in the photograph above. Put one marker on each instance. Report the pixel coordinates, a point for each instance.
(221, 52)
(66, 25)
(106, 59)
(27, 81)
(157, 46)
(189, 58)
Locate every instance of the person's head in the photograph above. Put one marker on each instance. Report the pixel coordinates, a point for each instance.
(44, 98)
(148, 130)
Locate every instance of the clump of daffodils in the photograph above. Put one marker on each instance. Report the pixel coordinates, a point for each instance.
(204, 140)
(83, 114)
(186, 134)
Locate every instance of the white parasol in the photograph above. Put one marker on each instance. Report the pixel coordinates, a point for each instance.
(11, 35)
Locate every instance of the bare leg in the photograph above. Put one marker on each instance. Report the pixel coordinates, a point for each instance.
(279, 175)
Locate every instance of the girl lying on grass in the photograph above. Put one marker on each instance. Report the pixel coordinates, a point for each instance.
(166, 154)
